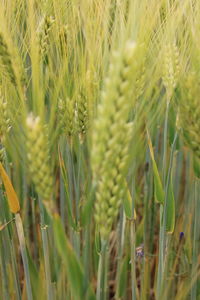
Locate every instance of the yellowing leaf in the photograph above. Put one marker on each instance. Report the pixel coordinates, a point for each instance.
(10, 192)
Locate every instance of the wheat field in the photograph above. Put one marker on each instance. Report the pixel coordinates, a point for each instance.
(99, 149)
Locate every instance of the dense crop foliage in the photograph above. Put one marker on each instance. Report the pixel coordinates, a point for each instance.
(99, 149)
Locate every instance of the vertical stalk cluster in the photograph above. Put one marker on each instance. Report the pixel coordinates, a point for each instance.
(14, 207)
(73, 117)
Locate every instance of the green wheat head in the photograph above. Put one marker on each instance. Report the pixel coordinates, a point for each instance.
(45, 28)
(171, 67)
(6, 60)
(189, 117)
(38, 156)
(82, 116)
(66, 116)
(4, 119)
(112, 135)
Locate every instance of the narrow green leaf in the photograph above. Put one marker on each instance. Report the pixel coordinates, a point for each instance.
(122, 283)
(86, 211)
(79, 287)
(196, 165)
(170, 221)
(97, 241)
(128, 204)
(34, 276)
(158, 188)
(64, 176)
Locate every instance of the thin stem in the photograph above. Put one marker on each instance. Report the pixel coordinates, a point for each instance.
(133, 269)
(160, 261)
(163, 219)
(165, 141)
(148, 232)
(102, 272)
(161, 235)
(196, 236)
(75, 235)
(121, 233)
(15, 273)
(46, 252)
(20, 232)
(167, 189)
(4, 275)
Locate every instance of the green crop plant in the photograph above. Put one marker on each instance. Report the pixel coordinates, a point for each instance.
(99, 149)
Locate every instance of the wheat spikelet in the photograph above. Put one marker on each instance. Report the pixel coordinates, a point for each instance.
(11, 62)
(66, 115)
(45, 28)
(111, 137)
(140, 81)
(38, 156)
(82, 116)
(4, 119)
(65, 40)
(2, 154)
(7, 60)
(171, 68)
(189, 109)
